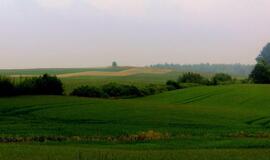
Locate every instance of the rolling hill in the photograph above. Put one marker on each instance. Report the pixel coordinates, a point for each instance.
(228, 118)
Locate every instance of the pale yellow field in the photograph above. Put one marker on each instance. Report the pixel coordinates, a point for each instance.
(128, 72)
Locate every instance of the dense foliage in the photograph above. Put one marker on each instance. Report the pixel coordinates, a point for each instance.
(173, 85)
(197, 79)
(119, 90)
(261, 72)
(87, 91)
(7, 87)
(109, 90)
(152, 89)
(221, 78)
(114, 90)
(190, 77)
(43, 85)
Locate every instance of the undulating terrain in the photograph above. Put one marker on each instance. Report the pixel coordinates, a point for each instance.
(218, 122)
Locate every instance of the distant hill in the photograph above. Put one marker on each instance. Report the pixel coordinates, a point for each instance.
(233, 69)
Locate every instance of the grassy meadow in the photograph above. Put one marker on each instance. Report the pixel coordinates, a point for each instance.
(204, 122)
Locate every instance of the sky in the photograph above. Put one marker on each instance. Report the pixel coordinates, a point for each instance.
(89, 33)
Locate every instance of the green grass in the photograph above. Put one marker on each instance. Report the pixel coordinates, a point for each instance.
(221, 122)
(46, 152)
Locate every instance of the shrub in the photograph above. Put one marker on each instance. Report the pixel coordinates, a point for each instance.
(86, 91)
(112, 89)
(118, 90)
(172, 85)
(43, 85)
(190, 77)
(130, 90)
(221, 78)
(153, 89)
(7, 88)
(108, 90)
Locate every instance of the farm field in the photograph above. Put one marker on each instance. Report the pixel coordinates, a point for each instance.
(57, 71)
(220, 122)
(134, 80)
(73, 78)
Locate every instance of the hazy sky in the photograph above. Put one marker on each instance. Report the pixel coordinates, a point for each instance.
(86, 33)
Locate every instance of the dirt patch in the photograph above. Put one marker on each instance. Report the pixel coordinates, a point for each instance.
(139, 137)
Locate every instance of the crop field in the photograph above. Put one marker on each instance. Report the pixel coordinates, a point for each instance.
(73, 78)
(219, 122)
(57, 71)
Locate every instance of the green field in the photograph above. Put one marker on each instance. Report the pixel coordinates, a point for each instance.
(57, 70)
(138, 80)
(222, 122)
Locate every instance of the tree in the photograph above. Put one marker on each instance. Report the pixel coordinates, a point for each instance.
(114, 64)
(261, 73)
(43, 85)
(264, 55)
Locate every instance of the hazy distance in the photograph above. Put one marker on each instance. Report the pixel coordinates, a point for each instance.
(87, 33)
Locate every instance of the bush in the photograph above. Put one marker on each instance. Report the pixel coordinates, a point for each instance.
(153, 89)
(221, 78)
(190, 77)
(86, 91)
(172, 85)
(7, 88)
(43, 85)
(118, 90)
(108, 90)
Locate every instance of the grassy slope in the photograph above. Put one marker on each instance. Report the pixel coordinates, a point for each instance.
(138, 80)
(201, 118)
(192, 111)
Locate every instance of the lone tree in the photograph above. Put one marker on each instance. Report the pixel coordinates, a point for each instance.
(261, 71)
(114, 64)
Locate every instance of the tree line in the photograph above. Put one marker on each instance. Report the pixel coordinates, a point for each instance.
(232, 69)
(43, 85)
(51, 85)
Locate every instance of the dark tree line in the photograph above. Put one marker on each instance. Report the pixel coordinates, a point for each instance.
(43, 85)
